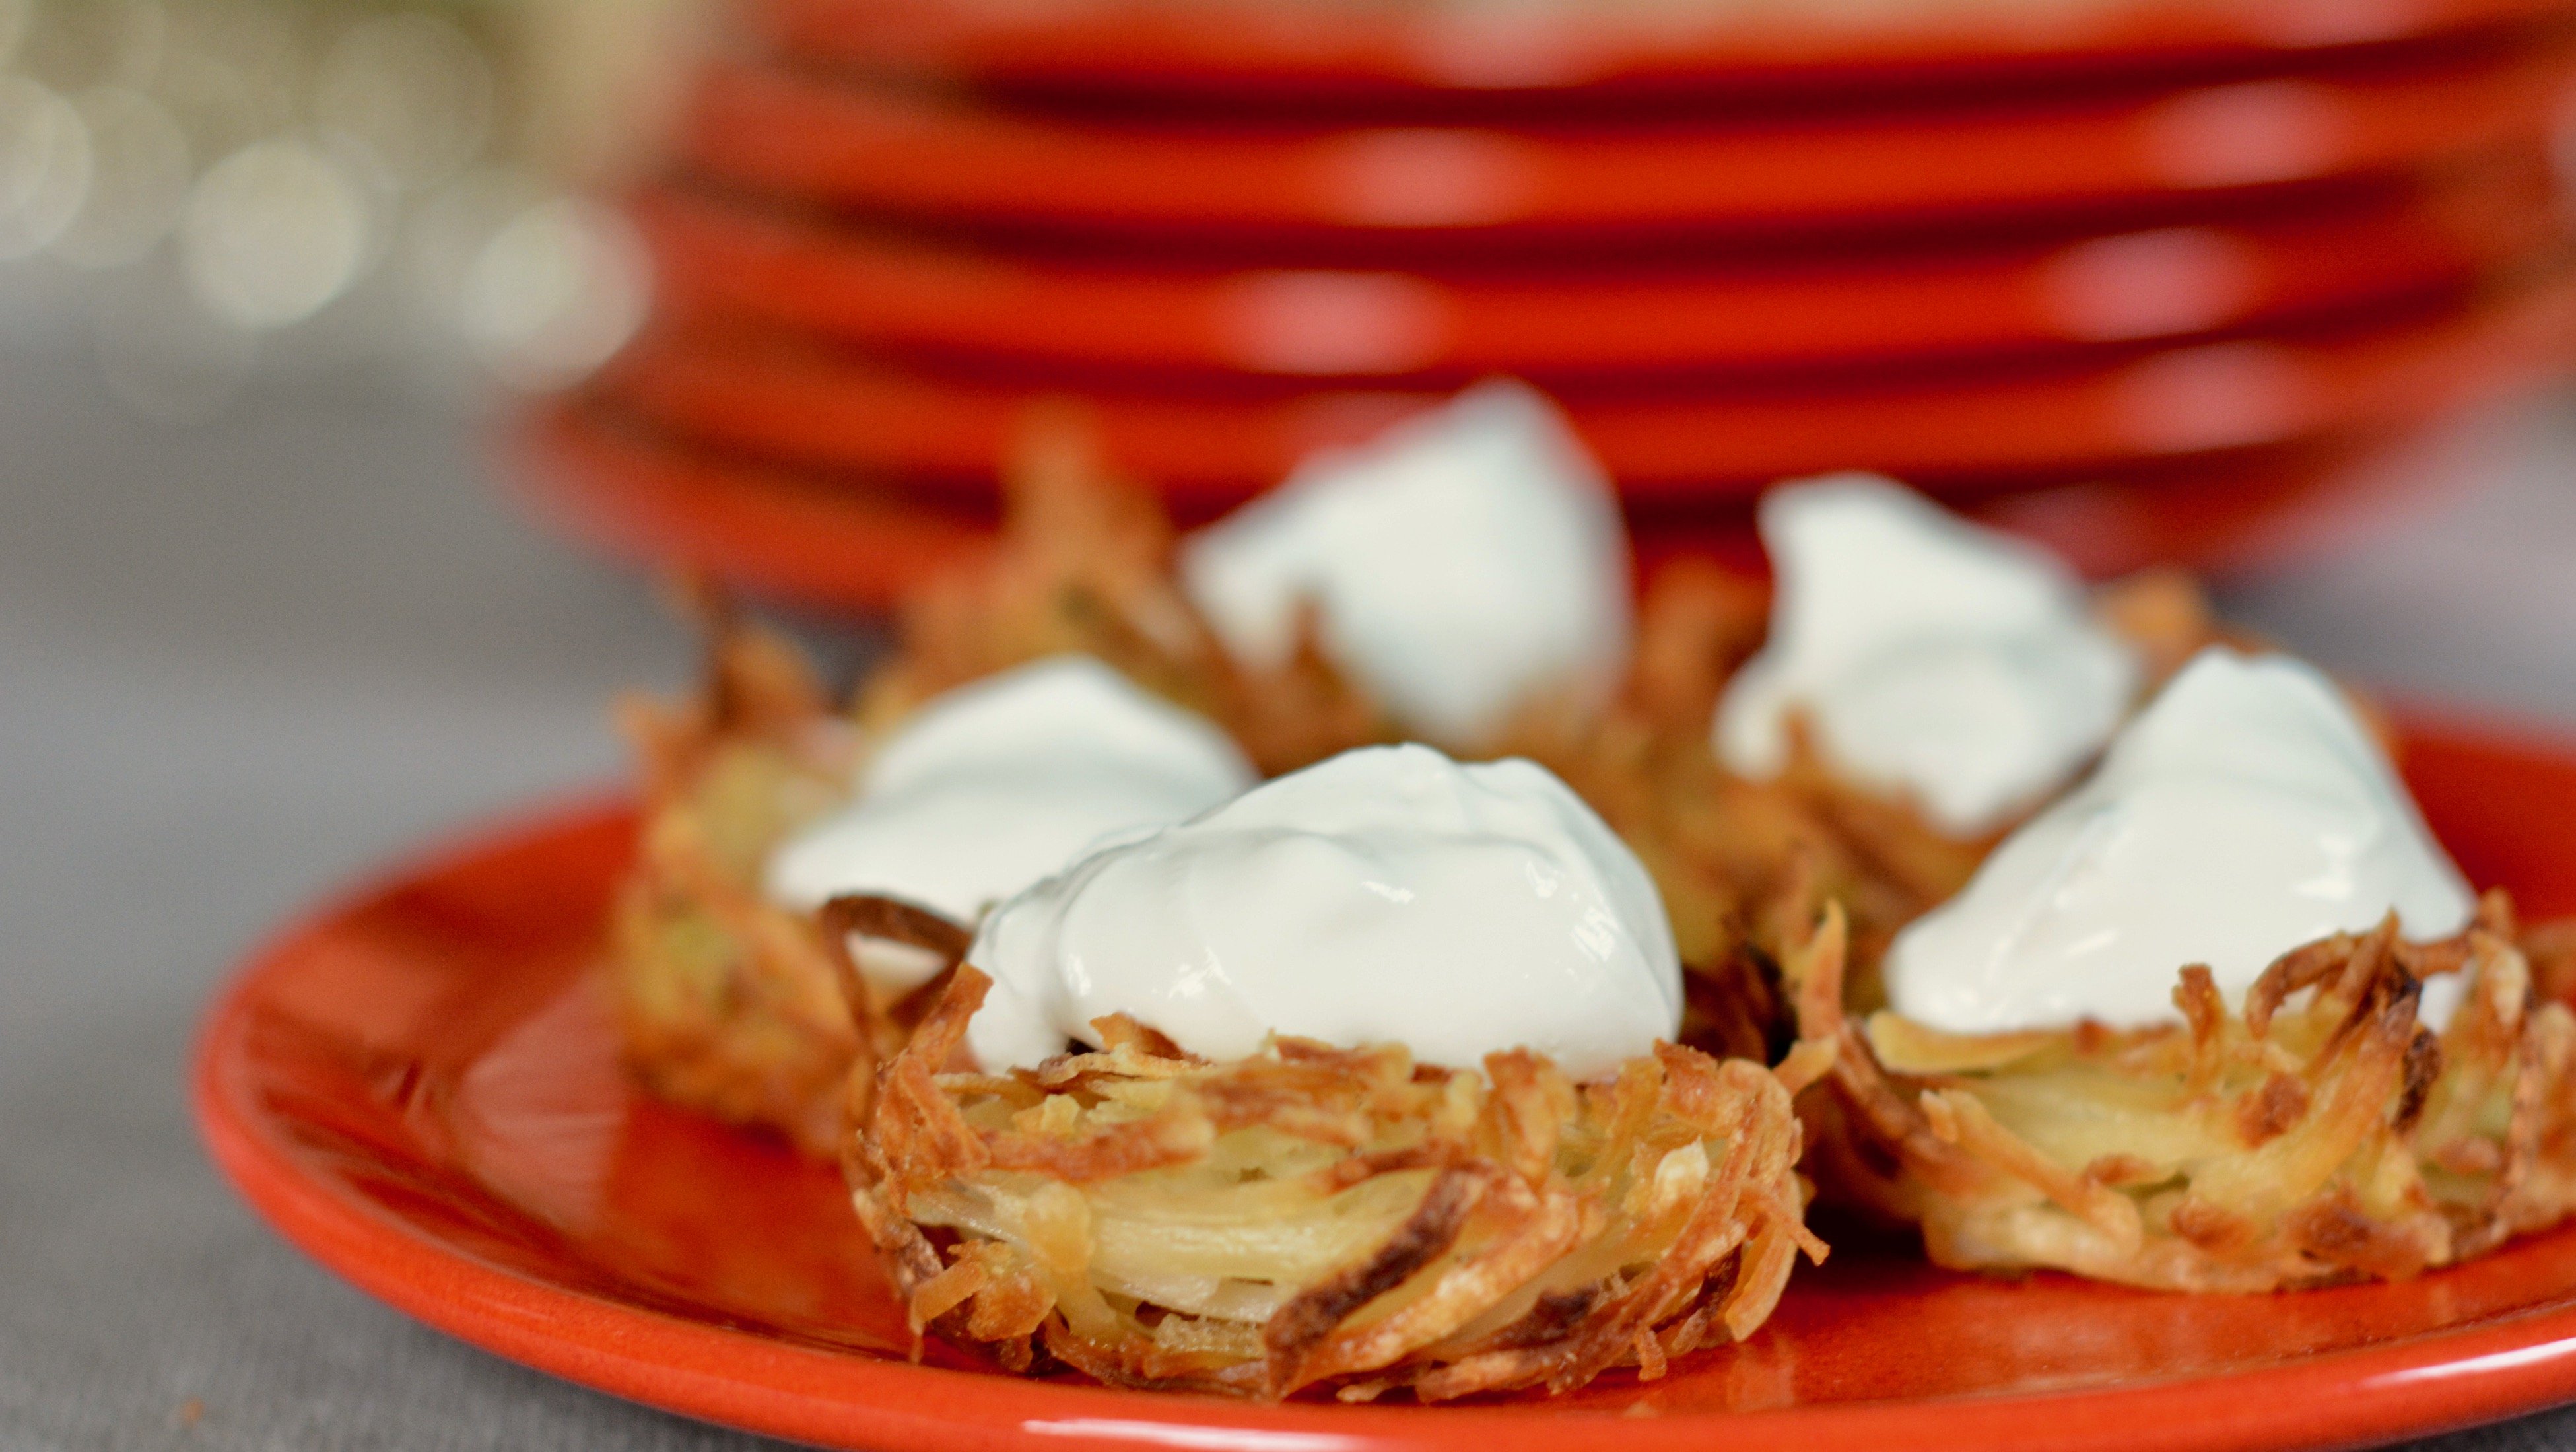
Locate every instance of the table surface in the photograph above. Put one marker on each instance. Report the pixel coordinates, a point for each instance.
(242, 663)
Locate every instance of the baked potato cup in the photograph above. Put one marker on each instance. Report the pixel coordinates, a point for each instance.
(2315, 1133)
(1322, 1219)
(726, 1003)
(729, 1001)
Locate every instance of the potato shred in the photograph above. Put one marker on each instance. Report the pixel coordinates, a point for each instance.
(726, 1002)
(2317, 1133)
(729, 1003)
(1315, 1218)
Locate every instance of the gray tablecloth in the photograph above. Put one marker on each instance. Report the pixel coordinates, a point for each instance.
(242, 663)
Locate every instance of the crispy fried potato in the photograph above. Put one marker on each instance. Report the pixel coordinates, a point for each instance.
(1744, 866)
(727, 1004)
(1739, 863)
(2315, 1134)
(1084, 564)
(1323, 1219)
(730, 1004)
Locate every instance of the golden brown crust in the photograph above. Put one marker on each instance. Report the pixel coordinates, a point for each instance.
(734, 1007)
(728, 1004)
(1745, 867)
(2321, 1136)
(1084, 564)
(1326, 1219)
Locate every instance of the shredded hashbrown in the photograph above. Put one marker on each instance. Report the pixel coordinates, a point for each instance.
(1315, 1218)
(2317, 1133)
(728, 1000)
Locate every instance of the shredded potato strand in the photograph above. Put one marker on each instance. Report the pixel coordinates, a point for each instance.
(736, 1007)
(1321, 1218)
(727, 1003)
(2321, 1135)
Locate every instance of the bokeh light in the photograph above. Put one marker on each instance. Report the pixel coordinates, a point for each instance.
(555, 293)
(139, 173)
(448, 230)
(238, 189)
(274, 232)
(44, 166)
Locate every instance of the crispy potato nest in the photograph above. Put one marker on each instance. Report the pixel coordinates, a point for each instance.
(1315, 1218)
(728, 1002)
(1322, 1220)
(2316, 1133)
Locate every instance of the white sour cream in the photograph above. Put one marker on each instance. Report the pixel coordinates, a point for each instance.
(1463, 562)
(2243, 813)
(1386, 895)
(1933, 658)
(994, 785)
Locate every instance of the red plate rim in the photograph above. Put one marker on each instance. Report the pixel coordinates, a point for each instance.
(2431, 1382)
(851, 546)
(1300, 49)
(723, 256)
(922, 155)
(777, 396)
(841, 544)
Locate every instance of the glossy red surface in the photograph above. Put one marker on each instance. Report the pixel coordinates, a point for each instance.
(779, 397)
(925, 154)
(419, 1085)
(855, 545)
(842, 544)
(1321, 51)
(723, 258)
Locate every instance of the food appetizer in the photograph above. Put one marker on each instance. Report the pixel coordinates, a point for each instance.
(2222, 1018)
(1463, 581)
(1100, 674)
(1350, 948)
(1922, 684)
(1362, 1080)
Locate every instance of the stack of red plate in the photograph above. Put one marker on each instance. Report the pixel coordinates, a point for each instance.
(2155, 277)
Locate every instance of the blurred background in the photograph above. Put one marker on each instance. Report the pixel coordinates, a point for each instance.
(2155, 280)
(222, 190)
(361, 364)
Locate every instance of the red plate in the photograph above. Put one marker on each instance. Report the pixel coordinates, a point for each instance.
(849, 545)
(420, 1086)
(844, 544)
(1221, 50)
(781, 399)
(722, 257)
(925, 155)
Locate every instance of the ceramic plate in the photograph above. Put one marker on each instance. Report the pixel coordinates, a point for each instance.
(841, 543)
(930, 154)
(420, 1086)
(1305, 50)
(781, 397)
(856, 545)
(728, 257)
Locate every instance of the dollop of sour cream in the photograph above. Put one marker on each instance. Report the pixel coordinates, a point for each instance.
(2245, 812)
(1932, 658)
(992, 786)
(1388, 894)
(1466, 560)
